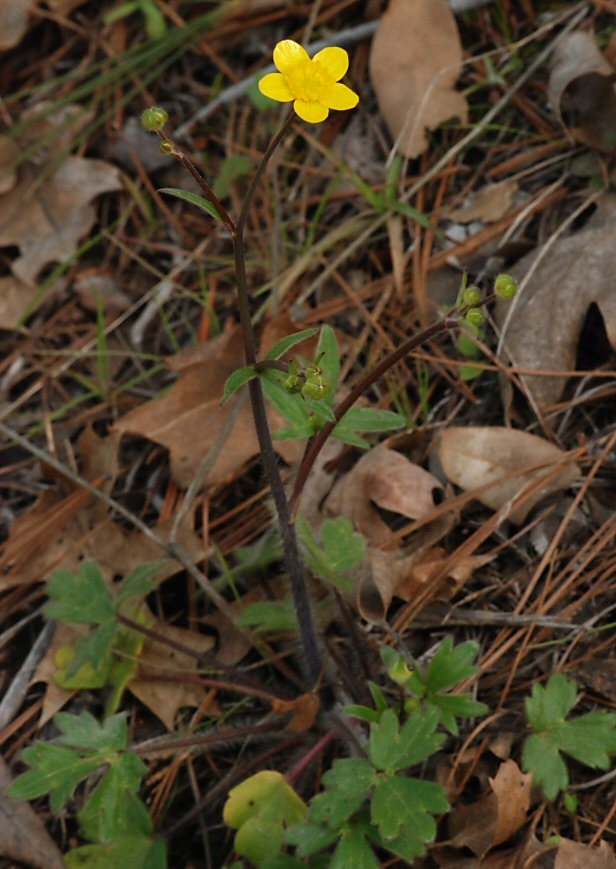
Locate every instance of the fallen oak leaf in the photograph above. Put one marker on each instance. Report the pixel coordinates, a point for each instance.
(473, 457)
(495, 816)
(541, 327)
(414, 63)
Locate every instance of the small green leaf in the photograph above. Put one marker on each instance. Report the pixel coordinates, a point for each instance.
(285, 344)
(268, 616)
(310, 838)
(370, 419)
(114, 809)
(329, 361)
(80, 597)
(292, 434)
(393, 748)
(136, 851)
(139, 582)
(259, 808)
(85, 731)
(94, 649)
(55, 770)
(407, 803)
(452, 706)
(341, 549)
(236, 380)
(348, 436)
(354, 852)
(290, 406)
(192, 198)
(590, 738)
(451, 665)
(347, 784)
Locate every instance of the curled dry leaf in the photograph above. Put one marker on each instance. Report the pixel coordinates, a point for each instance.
(542, 324)
(388, 479)
(475, 457)
(582, 89)
(414, 64)
(575, 855)
(187, 419)
(497, 815)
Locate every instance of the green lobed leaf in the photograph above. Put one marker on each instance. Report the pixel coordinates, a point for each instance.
(139, 581)
(193, 199)
(452, 706)
(543, 759)
(236, 380)
(309, 838)
(259, 808)
(55, 771)
(291, 434)
(371, 419)
(347, 784)
(407, 803)
(80, 597)
(451, 665)
(551, 704)
(341, 549)
(285, 344)
(114, 808)
(354, 852)
(393, 748)
(85, 731)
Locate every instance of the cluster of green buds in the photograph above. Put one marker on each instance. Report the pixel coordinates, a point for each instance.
(504, 286)
(309, 381)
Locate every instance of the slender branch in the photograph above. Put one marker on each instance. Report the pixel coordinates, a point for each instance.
(188, 164)
(292, 558)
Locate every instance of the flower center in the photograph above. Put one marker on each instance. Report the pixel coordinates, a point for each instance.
(306, 81)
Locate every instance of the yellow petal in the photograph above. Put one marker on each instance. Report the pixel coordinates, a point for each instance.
(310, 111)
(275, 87)
(288, 54)
(340, 97)
(335, 60)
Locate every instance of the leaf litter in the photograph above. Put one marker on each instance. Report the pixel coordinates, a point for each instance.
(412, 519)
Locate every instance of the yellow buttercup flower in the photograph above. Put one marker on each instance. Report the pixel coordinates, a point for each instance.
(312, 83)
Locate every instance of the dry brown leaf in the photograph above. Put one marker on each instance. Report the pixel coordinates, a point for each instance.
(387, 478)
(168, 692)
(489, 203)
(304, 708)
(414, 64)
(582, 87)
(187, 419)
(544, 321)
(23, 837)
(575, 855)
(13, 22)
(473, 457)
(497, 815)
(48, 223)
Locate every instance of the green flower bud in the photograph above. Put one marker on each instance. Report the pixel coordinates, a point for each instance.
(505, 286)
(471, 296)
(293, 383)
(154, 119)
(475, 316)
(315, 387)
(166, 147)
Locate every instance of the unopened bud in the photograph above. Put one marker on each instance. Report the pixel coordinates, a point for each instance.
(475, 316)
(471, 296)
(154, 119)
(505, 286)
